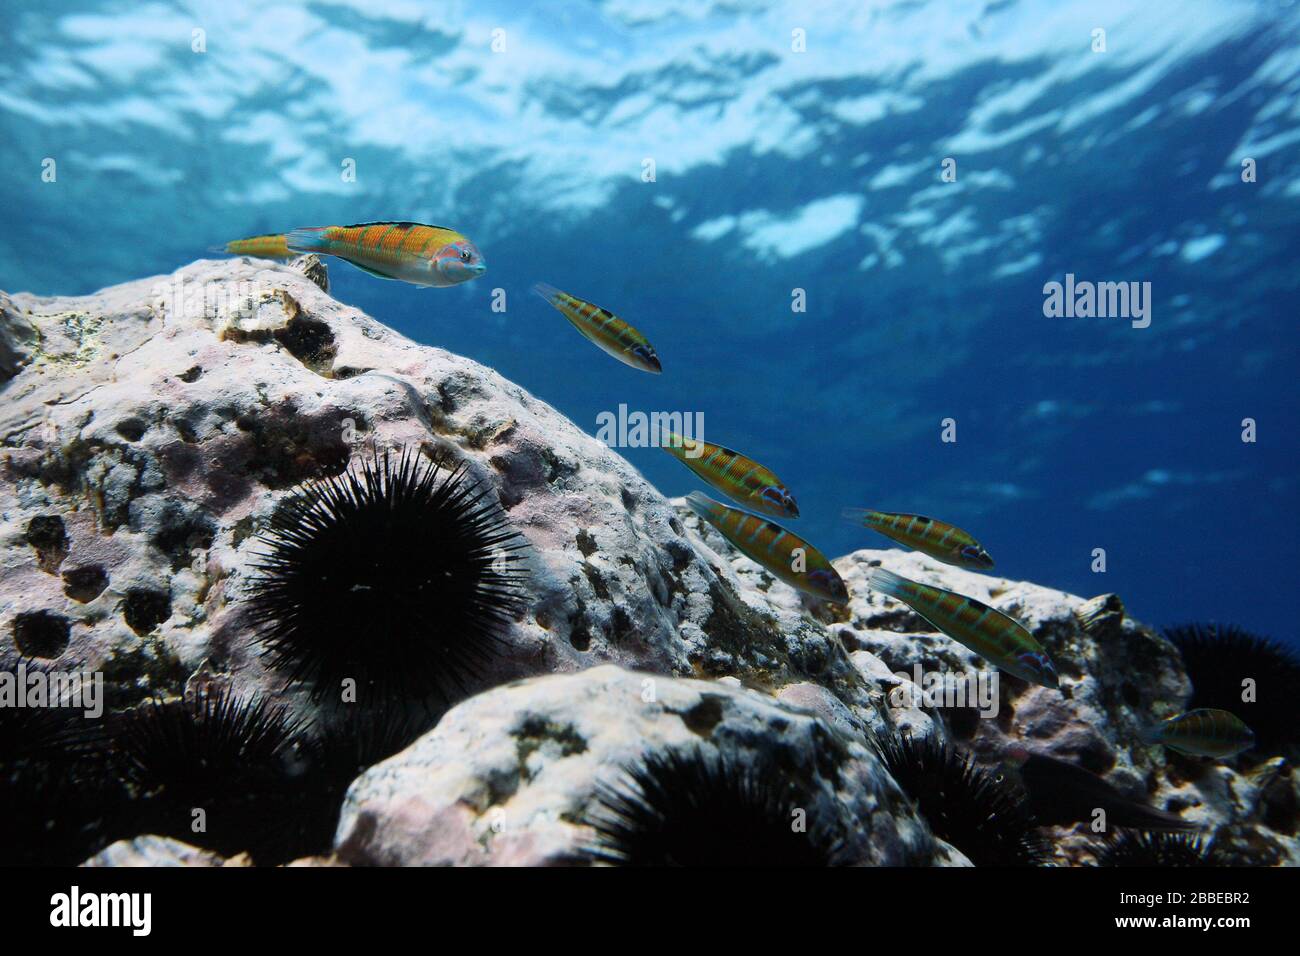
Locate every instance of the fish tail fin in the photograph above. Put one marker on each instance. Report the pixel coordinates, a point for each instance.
(271, 246)
(857, 515)
(547, 292)
(885, 582)
(1150, 733)
(306, 239)
(701, 504)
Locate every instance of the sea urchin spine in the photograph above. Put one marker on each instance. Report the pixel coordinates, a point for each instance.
(981, 813)
(398, 575)
(1141, 848)
(55, 790)
(692, 809)
(213, 770)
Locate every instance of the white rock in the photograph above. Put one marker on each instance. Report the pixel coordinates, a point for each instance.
(505, 777)
(150, 850)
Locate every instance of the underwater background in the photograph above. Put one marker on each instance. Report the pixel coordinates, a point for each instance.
(775, 169)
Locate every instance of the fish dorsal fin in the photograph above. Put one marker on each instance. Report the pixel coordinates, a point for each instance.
(406, 225)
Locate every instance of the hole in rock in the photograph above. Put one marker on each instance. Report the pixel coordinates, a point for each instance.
(45, 533)
(132, 429)
(41, 634)
(145, 609)
(311, 342)
(85, 583)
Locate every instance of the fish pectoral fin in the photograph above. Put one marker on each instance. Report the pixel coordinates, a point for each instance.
(377, 275)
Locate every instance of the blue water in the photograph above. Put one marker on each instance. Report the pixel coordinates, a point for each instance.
(775, 170)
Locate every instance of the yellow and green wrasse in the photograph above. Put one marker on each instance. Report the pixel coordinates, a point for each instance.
(739, 478)
(406, 251)
(1002, 641)
(1204, 732)
(787, 556)
(938, 539)
(271, 246)
(610, 333)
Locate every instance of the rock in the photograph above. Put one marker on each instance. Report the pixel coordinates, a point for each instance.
(148, 431)
(18, 339)
(152, 850)
(1102, 616)
(505, 776)
(314, 269)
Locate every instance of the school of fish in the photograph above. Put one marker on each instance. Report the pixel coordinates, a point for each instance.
(438, 257)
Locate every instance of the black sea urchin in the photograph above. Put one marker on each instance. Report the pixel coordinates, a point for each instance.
(1141, 848)
(979, 812)
(215, 771)
(55, 792)
(691, 809)
(398, 575)
(1219, 657)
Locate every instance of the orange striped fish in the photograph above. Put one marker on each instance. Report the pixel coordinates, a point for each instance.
(271, 246)
(739, 478)
(406, 251)
(938, 539)
(1204, 732)
(1002, 641)
(610, 333)
(785, 555)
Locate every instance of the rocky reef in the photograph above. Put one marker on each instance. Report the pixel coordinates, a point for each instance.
(149, 432)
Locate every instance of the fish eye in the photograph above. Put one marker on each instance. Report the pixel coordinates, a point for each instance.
(465, 255)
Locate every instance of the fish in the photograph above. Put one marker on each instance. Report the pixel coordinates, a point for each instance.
(1063, 793)
(771, 546)
(1204, 732)
(406, 251)
(739, 478)
(1002, 641)
(938, 539)
(610, 333)
(270, 246)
